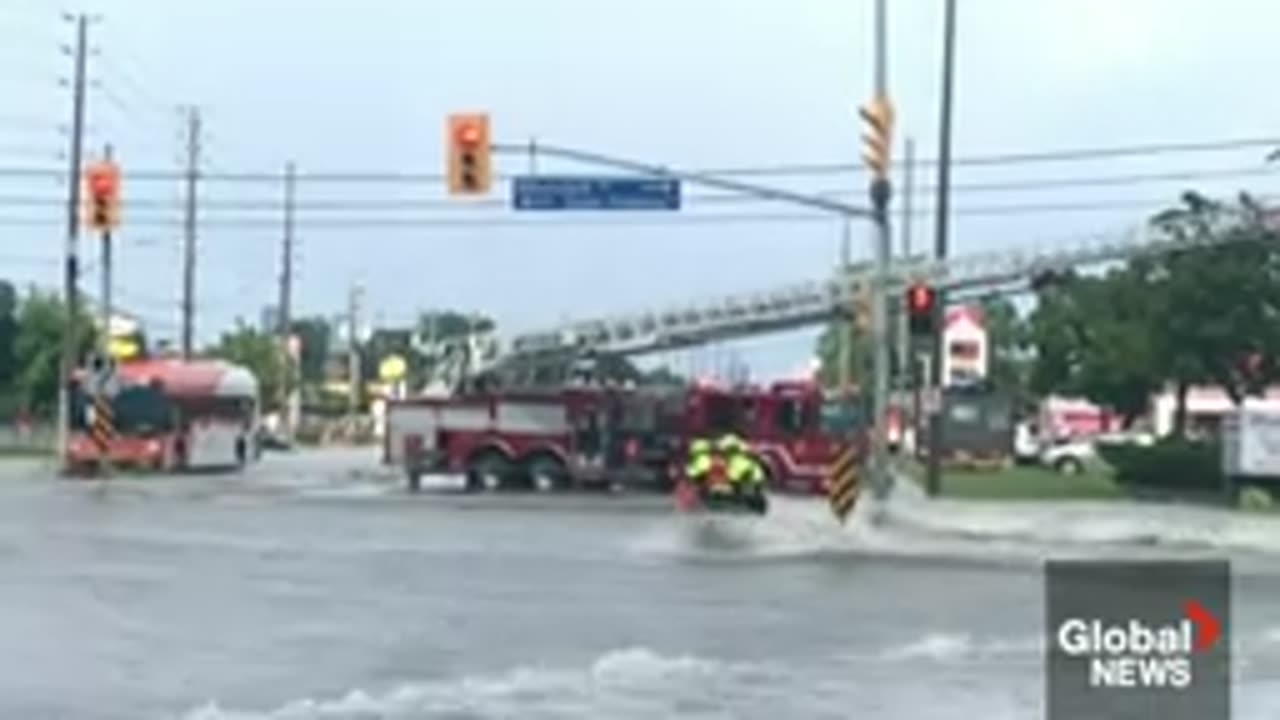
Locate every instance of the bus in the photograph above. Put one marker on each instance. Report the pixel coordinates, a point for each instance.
(172, 415)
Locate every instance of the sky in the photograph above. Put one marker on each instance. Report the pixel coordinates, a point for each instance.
(341, 85)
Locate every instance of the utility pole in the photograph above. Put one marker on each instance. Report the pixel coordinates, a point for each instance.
(881, 192)
(353, 349)
(189, 238)
(906, 357)
(71, 262)
(286, 304)
(846, 328)
(105, 340)
(934, 479)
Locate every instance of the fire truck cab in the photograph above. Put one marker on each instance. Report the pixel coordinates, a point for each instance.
(792, 426)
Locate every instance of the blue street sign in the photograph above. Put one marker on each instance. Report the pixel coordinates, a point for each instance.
(569, 192)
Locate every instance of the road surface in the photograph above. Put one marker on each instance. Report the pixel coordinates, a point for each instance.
(313, 587)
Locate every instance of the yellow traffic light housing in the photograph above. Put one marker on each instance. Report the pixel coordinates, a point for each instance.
(877, 138)
(102, 196)
(470, 166)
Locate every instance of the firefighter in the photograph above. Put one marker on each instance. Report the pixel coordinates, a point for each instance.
(745, 472)
(699, 462)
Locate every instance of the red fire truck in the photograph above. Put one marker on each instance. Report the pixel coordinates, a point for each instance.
(605, 437)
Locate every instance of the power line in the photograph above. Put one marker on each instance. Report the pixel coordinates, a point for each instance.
(780, 170)
(605, 220)
(371, 205)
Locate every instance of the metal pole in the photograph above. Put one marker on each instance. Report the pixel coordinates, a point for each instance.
(934, 481)
(353, 351)
(286, 302)
(105, 341)
(189, 239)
(71, 262)
(697, 178)
(881, 192)
(906, 363)
(846, 328)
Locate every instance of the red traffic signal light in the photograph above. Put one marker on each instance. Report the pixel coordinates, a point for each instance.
(469, 162)
(102, 183)
(920, 307)
(469, 135)
(921, 298)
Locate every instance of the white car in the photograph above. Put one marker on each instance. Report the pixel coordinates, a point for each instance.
(1071, 456)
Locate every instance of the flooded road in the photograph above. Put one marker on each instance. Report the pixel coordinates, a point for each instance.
(312, 586)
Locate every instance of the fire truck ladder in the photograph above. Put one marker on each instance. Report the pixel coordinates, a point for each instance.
(799, 305)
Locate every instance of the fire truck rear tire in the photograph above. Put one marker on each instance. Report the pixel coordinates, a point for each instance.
(547, 473)
(486, 467)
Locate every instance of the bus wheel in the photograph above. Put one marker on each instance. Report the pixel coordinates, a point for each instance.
(547, 473)
(487, 470)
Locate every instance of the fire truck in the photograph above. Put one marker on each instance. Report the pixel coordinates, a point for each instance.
(611, 437)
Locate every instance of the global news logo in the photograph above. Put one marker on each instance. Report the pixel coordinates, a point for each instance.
(1138, 655)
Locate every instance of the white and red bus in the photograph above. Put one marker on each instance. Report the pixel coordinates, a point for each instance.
(174, 415)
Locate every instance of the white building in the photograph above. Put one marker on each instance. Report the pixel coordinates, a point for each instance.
(964, 338)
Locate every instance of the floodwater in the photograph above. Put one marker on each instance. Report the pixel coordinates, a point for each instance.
(312, 586)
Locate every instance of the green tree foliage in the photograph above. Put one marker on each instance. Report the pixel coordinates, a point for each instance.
(1008, 344)
(40, 326)
(1195, 315)
(8, 334)
(316, 337)
(260, 353)
(828, 352)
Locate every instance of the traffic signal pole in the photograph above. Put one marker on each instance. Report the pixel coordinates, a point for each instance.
(881, 191)
(763, 192)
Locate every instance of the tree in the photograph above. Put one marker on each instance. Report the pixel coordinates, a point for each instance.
(1094, 337)
(1220, 304)
(37, 348)
(260, 353)
(828, 352)
(316, 336)
(445, 325)
(1008, 343)
(8, 336)
(663, 376)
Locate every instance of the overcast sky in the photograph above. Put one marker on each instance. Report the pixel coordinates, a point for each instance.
(345, 85)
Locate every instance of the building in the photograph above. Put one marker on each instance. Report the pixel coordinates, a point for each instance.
(966, 347)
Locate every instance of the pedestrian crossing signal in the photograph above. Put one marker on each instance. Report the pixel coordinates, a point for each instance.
(470, 164)
(843, 483)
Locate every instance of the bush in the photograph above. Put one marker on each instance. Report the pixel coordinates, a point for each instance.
(1170, 464)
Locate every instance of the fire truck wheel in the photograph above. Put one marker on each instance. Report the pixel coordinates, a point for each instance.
(487, 470)
(547, 473)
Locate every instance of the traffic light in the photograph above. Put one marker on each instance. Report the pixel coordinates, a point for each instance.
(920, 301)
(469, 161)
(102, 190)
(877, 137)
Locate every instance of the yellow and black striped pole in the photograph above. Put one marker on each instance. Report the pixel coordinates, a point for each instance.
(844, 483)
(103, 430)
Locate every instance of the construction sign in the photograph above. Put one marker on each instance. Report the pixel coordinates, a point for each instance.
(102, 426)
(844, 483)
